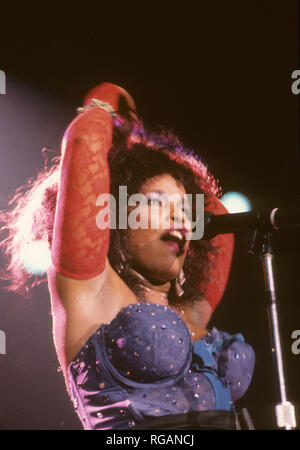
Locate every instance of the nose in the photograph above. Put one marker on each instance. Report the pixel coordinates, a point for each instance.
(179, 220)
(178, 216)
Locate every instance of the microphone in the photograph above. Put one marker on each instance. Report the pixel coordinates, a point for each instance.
(275, 219)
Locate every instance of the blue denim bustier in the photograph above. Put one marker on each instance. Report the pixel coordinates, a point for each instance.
(144, 365)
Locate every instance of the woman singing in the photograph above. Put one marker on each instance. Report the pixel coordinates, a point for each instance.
(130, 305)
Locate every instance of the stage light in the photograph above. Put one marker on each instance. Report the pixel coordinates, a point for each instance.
(35, 257)
(236, 202)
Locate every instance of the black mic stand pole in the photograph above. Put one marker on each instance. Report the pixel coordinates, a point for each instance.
(262, 246)
(263, 226)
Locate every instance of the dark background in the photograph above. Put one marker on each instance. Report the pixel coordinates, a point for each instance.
(219, 75)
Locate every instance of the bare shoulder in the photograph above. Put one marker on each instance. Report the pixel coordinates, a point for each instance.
(80, 307)
(72, 291)
(199, 313)
(70, 288)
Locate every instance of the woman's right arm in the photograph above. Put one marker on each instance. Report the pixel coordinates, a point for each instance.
(80, 276)
(80, 248)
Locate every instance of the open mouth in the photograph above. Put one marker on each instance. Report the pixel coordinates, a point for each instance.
(175, 239)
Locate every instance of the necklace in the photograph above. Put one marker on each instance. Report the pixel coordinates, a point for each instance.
(163, 294)
(146, 284)
(192, 333)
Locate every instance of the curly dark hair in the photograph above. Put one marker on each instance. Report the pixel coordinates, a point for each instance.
(133, 158)
(145, 155)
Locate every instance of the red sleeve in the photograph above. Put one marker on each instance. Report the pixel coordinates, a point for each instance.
(224, 243)
(79, 247)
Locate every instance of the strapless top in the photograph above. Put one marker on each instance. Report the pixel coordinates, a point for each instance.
(144, 365)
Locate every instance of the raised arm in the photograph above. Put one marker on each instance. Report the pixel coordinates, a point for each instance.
(224, 243)
(200, 313)
(79, 247)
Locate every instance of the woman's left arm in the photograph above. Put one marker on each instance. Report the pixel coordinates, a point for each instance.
(200, 313)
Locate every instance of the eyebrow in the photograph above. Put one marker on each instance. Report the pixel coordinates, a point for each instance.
(163, 193)
(160, 192)
(157, 191)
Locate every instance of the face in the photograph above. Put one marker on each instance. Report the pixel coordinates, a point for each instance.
(159, 250)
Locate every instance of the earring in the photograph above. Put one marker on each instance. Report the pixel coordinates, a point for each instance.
(179, 281)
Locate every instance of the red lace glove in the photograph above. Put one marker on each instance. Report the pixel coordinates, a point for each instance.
(80, 248)
(225, 243)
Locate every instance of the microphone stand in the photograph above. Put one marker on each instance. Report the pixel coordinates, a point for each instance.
(262, 245)
(264, 224)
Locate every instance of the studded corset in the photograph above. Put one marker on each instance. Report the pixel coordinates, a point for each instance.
(144, 365)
